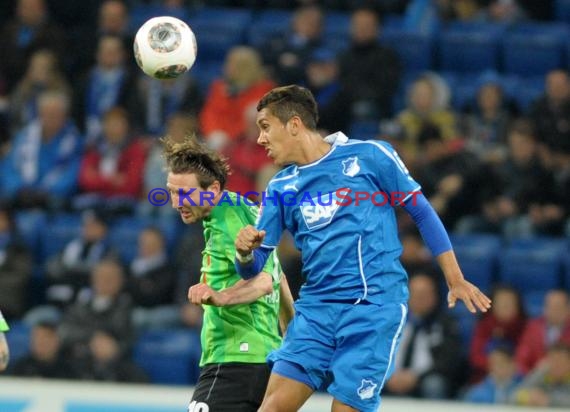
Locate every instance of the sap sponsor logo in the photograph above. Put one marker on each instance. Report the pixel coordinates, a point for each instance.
(319, 211)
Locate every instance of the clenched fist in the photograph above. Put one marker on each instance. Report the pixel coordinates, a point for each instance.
(248, 239)
(202, 294)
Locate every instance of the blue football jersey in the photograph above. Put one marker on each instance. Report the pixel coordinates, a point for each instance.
(350, 251)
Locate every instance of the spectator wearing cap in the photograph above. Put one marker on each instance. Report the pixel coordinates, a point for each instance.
(323, 81)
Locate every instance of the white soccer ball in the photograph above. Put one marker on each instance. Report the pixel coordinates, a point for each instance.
(165, 47)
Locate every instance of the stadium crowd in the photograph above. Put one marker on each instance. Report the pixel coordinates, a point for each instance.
(88, 267)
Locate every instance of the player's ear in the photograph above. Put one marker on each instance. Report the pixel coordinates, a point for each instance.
(215, 188)
(293, 125)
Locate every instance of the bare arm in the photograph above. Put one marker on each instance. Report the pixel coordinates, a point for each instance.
(4, 352)
(459, 288)
(244, 291)
(286, 309)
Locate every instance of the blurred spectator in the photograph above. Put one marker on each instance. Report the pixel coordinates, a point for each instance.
(287, 54)
(68, 273)
(501, 381)
(551, 113)
(504, 11)
(245, 157)
(45, 359)
(540, 333)
(106, 362)
(105, 306)
(159, 99)
(43, 163)
(113, 169)
(517, 182)
(332, 98)
(428, 100)
(466, 10)
(28, 31)
(501, 327)
(243, 83)
(415, 256)
(487, 125)
(43, 74)
(178, 126)
(451, 179)
(15, 268)
(428, 362)
(109, 83)
(151, 282)
(111, 19)
(368, 70)
(549, 383)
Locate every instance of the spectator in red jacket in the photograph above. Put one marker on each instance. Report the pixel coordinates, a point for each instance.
(243, 83)
(541, 333)
(115, 167)
(502, 326)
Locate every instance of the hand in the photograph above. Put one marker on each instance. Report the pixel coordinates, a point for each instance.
(470, 295)
(202, 294)
(248, 239)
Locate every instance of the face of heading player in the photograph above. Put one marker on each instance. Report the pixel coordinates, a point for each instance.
(191, 206)
(278, 139)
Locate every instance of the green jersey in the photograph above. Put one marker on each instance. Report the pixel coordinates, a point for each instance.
(238, 333)
(3, 324)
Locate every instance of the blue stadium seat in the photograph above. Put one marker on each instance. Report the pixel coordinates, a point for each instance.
(18, 338)
(217, 30)
(534, 48)
(477, 256)
(364, 130)
(566, 276)
(336, 30)
(528, 91)
(141, 13)
(533, 301)
(415, 49)
(464, 92)
(268, 24)
(532, 265)
(30, 224)
(562, 10)
(58, 232)
(205, 72)
(470, 48)
(169, 356)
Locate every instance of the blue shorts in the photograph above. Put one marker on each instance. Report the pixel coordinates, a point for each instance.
(343, 348)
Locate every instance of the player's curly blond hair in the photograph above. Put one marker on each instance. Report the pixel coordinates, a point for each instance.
(192, 156)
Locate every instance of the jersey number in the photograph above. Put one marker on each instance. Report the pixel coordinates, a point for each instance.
(198, 407)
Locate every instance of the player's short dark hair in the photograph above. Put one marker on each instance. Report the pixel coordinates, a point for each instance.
(288, 101)
(192, 156)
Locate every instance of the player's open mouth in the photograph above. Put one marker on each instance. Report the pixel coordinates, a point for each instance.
(186, 214)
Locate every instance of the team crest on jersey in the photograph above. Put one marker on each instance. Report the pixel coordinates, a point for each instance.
(319, 211)
(366, 390)
(350, 166)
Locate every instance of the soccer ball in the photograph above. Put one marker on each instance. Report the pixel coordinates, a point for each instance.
(165, 47)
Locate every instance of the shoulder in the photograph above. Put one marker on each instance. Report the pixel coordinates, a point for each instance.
(375, 148)
(282, 177)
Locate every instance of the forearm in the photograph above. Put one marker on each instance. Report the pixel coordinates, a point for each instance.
(450, 268)
(247, 291)
(286, 308)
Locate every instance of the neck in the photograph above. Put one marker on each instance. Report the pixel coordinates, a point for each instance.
(312, 148)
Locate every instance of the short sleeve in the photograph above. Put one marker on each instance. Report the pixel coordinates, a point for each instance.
(271, 218)
(392, 174)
